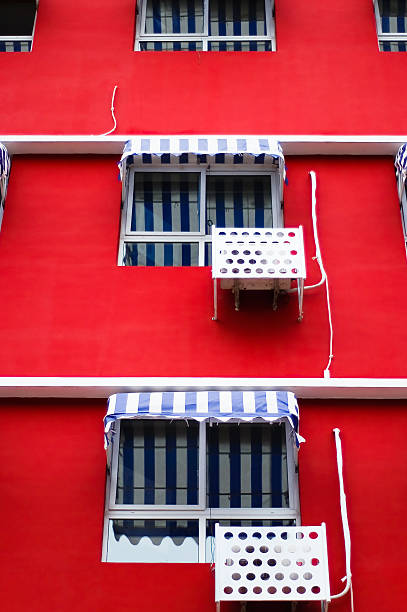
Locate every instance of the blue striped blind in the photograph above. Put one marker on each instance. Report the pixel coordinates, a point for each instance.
(393, 14)
(237, 18)
(174, 16)
(15, 45)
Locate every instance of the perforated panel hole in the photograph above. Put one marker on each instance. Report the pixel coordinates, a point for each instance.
(279, 576)
(236, 576)
(299, 535)
(250, 576)
(263, 549)
(283, 271)
(235, 252)
(252, 261)
(276, 262)
(228, 535)
(235, 270)
(229, 562)
(242, 590)
(257, 535)
(243, 562)
(247, 271)
(277, 548)
(293, 252)
(272, 590)
(245, 233)
(300, 562)
(286, 590)
(222, 233)
(240, 261)
(265, 576)
(242, 535)
(228, 590)
(257, 590)
(259, 270)
(291, 234)
(301, 590)
(271, 535)
(256, 233)
(268, 233)
(307, 576)
(257, 562)
(223, 270)
(294, 271)
(229, 261)
(315, 589)
(258, 252)
(284, 535)
(271, 562)
(313, 535)
(287, 262)
(281, 234)
(233, 233)
(236, 549)
(315, 561)
(294, 576)
(249, 549)
(246, 252)
(285, 562)
(271, 270)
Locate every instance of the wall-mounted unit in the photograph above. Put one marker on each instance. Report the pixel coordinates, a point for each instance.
(258, 259)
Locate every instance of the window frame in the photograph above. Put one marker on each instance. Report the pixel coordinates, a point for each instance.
(199, 512)
(25, 38)
(204, 38)
(200, 238)
(383, 37)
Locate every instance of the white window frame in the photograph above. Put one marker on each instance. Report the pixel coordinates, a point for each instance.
(197, 512)
(22, 39)
(200, 238)
(386, 36)
(203, 37)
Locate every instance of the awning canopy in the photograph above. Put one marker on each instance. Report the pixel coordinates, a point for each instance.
(249, 148)
(216, 406)
(4, 172)
(401, 168)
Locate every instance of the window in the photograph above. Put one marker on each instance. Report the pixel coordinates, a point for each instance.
(17, 19)
(205, 25)
(169, 210)
(172, 480)
(391, 19)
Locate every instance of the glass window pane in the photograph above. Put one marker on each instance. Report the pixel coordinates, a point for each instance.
(247, 466)
(245, 45)
(238, 201)
(393, 15)
(158, 463)
(165, 202)
(174, 17)
(161, 254)
(171, 45)
(237, 18)
(153, 541)
(17, 18)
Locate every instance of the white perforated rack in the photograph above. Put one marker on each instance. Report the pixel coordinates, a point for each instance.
(271, 564)
(258, 258)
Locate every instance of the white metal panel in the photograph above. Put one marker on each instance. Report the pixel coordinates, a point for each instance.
(261, 254)
(271, 563)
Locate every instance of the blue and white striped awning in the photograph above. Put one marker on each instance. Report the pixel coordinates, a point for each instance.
(400, 164)
(221, 406)
(4, 172)
(249, 148)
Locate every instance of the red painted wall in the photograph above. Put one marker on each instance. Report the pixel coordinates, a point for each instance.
(52, 472)
(327, 76)
(68, 309)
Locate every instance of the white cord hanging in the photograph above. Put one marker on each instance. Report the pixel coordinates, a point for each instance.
(345, 523)
(113, 116)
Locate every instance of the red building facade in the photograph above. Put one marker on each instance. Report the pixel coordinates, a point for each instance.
(76, 327)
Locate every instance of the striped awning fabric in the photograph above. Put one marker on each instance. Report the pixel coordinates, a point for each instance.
(221, 406)
(400, 164)
(245, 146)
(4, 172)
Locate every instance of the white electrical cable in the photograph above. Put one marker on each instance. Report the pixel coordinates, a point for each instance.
(113, 116)
(344, 516)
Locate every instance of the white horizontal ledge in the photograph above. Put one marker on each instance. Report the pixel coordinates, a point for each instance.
(309, 144)
(100, 387)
